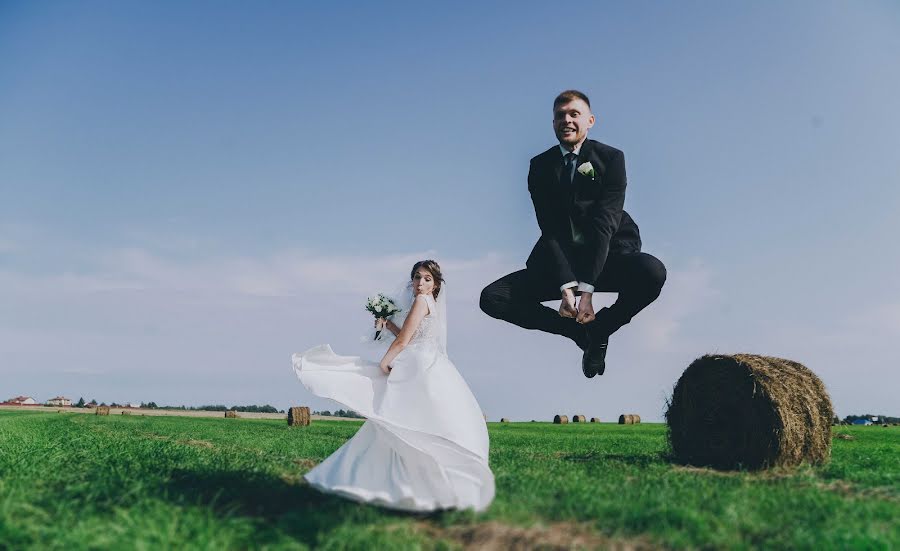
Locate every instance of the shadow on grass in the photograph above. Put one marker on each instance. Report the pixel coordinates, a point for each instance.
(288, 507)
(635, 460)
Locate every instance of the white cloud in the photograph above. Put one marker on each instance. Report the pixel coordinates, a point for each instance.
(196, 330)
(286, 274)
(687, 291)
(214, 330)
(82, 371)
(882, 320)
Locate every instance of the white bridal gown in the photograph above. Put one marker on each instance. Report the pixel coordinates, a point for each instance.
(424, 445)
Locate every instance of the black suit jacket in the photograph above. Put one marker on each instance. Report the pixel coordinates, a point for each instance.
(594, 206)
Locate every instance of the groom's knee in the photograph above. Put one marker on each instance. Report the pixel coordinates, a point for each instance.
(653, 274)
(491, 301)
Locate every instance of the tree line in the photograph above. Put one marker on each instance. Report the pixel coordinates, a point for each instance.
(153, 405)
(881, 418)
(339, 413)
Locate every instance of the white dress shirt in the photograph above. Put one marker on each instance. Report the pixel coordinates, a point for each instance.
(582, 286)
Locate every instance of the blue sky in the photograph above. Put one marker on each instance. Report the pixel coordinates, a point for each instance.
(192, 191)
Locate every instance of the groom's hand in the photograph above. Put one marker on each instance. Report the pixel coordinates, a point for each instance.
(585, 309)
(567, 307)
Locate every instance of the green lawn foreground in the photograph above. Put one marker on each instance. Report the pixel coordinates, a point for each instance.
(89, 482)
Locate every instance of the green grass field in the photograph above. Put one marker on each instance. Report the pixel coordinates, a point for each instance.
(82, 481)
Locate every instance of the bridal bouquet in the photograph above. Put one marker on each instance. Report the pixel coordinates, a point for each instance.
(381, 307)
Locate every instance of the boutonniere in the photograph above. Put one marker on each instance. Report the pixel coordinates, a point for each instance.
(587, 169)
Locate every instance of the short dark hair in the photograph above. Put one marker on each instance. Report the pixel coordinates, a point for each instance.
(569, 95)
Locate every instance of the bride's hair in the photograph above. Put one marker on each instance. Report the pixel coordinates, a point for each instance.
(435, 270)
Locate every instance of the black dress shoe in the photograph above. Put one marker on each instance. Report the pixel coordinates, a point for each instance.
(594, 360)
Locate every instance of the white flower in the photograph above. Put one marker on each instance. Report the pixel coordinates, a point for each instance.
(586, 169)
(378, 308)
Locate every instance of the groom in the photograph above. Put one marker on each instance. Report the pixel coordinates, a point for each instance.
(588, 243)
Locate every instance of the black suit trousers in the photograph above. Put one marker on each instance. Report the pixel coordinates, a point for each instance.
(637, 277)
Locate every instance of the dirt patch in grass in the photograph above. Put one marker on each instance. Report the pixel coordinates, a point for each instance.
(850, 490)
(577, 457)
(184, 441)
(292, 479)
(296, 478)
(772, 473)
(704, 470)
(496, 536)
(197, 443)
(154, 436)
(305, 463)
(634, 460)
(796, 476)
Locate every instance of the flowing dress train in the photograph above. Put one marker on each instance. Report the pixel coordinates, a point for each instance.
(424, 445)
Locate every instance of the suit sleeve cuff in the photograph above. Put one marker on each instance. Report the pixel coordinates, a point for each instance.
(569, 285)
(585, 287)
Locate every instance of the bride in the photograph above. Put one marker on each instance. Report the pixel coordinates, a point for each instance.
(424, 445)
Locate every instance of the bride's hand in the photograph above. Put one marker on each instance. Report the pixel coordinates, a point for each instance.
(386, 369)
(379, 323)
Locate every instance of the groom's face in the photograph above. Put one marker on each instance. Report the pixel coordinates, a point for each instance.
(571, 122)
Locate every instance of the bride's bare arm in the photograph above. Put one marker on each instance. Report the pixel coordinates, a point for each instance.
(419, 310)
(392, 327)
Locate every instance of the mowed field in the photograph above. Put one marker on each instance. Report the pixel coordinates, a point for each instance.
(85, 482)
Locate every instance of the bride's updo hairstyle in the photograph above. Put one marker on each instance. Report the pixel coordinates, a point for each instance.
(435, 270)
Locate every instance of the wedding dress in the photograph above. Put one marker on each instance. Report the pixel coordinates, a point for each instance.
(424, 445)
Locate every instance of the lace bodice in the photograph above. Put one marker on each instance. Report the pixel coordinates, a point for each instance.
(427, 329)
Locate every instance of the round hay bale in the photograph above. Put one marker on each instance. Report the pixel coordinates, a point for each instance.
(595, 419)
(126, 413)
(102, 410)
(629, 419)
(749, 412)
(885, 425)
(560, 419)
(230, 414)
(579, 419)
(504, 420)
(298, 416)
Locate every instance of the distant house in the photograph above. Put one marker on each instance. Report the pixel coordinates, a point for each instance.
(862, 422)
(21, 401)
(59, 401)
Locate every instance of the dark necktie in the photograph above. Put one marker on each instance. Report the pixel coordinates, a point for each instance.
(571, 160)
